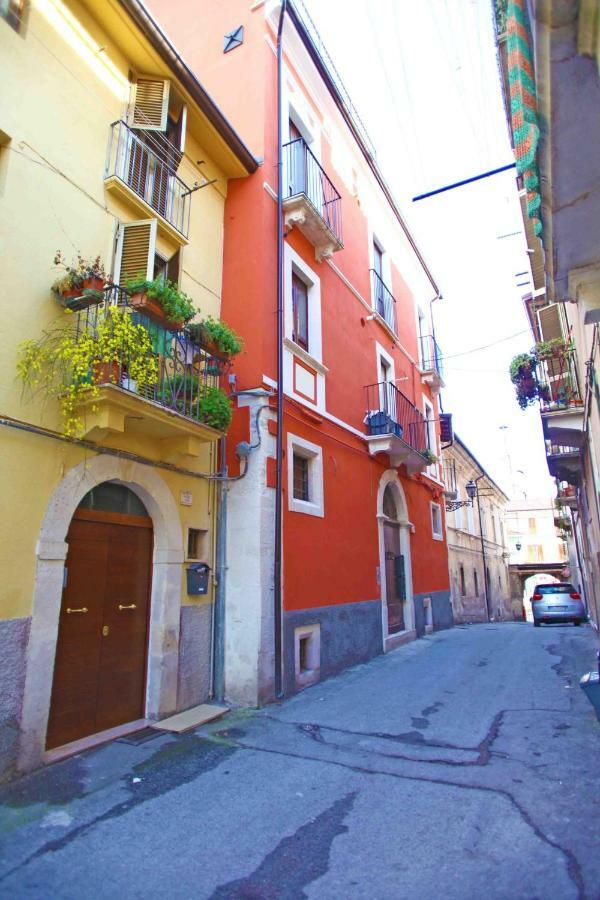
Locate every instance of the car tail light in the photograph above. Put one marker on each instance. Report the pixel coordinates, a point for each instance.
(537, 597)
(575, 596)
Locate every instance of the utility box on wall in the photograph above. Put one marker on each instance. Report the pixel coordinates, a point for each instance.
(197, 579)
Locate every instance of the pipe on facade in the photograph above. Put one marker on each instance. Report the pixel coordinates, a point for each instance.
(485, 578)
(218, 629)
(277, 561)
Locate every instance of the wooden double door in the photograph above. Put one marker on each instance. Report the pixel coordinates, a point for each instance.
(100, 667)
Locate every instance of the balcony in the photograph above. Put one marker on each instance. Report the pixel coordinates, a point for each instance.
(567, 496)
(564, 462)
(142, 171)
(396, 427)
(430, 357)
(168, 413)
(561, 401)
(385, 303)
(310, 201)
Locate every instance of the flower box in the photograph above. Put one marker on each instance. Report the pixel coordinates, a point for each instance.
(141, 302)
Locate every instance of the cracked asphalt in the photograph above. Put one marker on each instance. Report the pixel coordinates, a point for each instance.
(464, 765)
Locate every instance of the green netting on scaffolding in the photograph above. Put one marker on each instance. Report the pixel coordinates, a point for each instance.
(523, 106)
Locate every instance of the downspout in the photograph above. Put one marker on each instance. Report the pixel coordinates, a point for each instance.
(218, 656)
(277, 562)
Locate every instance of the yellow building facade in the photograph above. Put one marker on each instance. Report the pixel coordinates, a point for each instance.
(108, 147)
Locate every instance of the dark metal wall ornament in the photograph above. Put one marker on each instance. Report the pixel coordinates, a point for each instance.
(233, 39)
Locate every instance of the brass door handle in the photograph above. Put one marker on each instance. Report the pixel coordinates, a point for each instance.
(83, 609)
(127, 606)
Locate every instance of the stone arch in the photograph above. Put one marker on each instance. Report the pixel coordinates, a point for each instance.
(51, 552)
(390, 481)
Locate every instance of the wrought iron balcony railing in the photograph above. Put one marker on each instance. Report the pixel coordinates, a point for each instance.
(185, 368)
(390, 412)
(430, 355)
(558, 381)
(385, 303)
(303, 174)
(148, 169)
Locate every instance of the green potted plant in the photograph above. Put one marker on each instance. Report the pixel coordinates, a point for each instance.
(216, 337)
(71, 364)
(82, 283)
(549, 349)
(162, 301)
(213, 407)
(430, 456)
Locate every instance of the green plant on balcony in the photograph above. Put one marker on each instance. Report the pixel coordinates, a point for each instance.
(178, 307)
(70, 364)
(549, 349)
(430, 456)
(563, 524)
(214, 407)
(522, 374)
(216, 336)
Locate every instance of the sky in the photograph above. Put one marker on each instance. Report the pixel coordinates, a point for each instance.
(424, 78)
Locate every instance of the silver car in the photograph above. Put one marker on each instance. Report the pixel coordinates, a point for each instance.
(557, 602)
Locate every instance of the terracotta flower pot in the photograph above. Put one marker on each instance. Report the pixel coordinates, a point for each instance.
(152, 308)
(107, 373)
(94, 283)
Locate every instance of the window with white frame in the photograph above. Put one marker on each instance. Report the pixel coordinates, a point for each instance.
(305, 476)
(458, 518)
(470, 520)
(432, 469)
(302, 304)
(436, 522)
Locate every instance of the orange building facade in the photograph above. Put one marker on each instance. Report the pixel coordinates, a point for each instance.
(364, 554)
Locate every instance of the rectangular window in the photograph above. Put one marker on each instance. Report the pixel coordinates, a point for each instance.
(300, 311)
(301, 484)
(12, 11)
(305, 476)
(436, 522)
(532, 526)
(463, 587)
(475, 582)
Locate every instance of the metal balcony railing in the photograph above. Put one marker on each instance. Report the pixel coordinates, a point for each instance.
(303, 174)
(184, 366)
(558, 381)
(390, 412)
(148, 168)
(430, 355)
(385, 303)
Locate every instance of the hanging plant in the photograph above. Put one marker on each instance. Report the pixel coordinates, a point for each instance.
(217, 337)
(214, 407)
(71, 365)
(81, 284)
(161, 300)
(522, 367)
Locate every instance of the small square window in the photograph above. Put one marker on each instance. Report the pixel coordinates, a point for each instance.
(436, 522)
(197, 543)
(301, 478)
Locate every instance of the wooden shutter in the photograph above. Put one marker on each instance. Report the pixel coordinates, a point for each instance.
(136, 243)
(149, 103)
(550, 321)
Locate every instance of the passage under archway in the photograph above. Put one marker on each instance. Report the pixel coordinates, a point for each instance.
(100, 666)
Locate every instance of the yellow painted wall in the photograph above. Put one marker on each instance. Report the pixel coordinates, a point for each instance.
(59, 93)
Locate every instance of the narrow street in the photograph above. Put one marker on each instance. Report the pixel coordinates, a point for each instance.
(463, 765)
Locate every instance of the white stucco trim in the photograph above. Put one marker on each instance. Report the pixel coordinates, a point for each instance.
(314, 453)
(390, 477)
(51, 550)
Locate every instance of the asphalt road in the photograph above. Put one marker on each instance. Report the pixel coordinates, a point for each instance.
(465, 765)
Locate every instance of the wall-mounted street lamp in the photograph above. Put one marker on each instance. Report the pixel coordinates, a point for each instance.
(471, 489)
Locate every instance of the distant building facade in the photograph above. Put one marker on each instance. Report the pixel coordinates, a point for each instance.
(477, 553)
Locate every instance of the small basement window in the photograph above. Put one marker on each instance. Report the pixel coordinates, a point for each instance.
(197, 543)
(301, 482)
(307, 646)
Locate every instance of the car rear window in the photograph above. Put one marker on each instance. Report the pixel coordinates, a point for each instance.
(554, 589)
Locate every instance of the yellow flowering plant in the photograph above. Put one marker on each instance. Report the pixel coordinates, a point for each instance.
(64, 362)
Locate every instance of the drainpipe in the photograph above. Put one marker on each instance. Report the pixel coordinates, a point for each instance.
(485, 581)
(218, 656)
(277, 562)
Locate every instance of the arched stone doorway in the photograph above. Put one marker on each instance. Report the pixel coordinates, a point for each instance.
(395, 562)
(160, 695)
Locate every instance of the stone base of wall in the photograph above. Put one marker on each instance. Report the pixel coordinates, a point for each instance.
(441, 611)
(350, 633)
(193, 677)
(14, 634)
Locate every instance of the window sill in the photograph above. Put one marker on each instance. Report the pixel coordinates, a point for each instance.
(306, 507)
(305, 356)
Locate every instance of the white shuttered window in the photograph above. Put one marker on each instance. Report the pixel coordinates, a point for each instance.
(136, 245)
(149, 103)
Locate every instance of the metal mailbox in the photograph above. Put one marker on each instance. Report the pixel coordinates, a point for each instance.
(197, 579)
